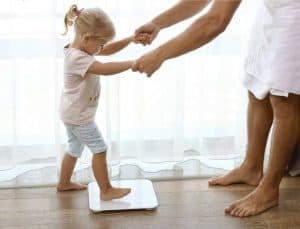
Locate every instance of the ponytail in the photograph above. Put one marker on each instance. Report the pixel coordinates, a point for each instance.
(70, 17)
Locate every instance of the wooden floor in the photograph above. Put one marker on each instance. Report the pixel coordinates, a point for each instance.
(182, 204)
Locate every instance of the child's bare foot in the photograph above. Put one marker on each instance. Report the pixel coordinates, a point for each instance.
(114, 193)
(241, 174)
(70, 187)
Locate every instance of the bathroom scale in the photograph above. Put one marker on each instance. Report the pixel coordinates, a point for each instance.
(142, 196)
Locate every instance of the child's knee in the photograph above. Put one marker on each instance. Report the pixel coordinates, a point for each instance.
(73, 154)
(100, 154)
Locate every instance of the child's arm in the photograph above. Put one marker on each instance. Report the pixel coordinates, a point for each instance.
(109, 68)
(116, 46)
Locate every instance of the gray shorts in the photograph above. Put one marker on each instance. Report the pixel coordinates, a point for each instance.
(81, 135)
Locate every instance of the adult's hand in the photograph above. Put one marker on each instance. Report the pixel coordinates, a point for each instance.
(148, 63)
(151, 29)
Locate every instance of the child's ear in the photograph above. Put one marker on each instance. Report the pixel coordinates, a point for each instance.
(86, 37)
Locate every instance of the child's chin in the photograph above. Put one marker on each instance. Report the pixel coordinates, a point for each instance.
(97, 52)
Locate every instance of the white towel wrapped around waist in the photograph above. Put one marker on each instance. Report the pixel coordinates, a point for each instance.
(274, 51)
(259, 89)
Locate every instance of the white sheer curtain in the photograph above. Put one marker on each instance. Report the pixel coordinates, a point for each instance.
(188, 120)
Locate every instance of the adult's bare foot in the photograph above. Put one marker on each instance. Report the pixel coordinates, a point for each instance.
(240, 175)
(72, 186)
(258, 201)
(114, 193)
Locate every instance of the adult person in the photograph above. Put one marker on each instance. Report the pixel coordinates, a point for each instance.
(272, 78)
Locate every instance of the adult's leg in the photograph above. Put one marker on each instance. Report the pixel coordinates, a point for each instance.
(259, 122)
(284, 139)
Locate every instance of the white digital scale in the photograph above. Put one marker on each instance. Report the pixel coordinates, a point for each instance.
(142, 196)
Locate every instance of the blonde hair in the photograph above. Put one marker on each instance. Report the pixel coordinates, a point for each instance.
(92, 20)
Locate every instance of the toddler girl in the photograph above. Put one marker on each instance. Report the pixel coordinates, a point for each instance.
(80, 96)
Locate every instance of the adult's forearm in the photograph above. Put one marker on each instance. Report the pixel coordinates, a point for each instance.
(202, 31)
(193, 38)
(181, 11)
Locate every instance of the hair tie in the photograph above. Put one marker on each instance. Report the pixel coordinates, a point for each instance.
(78, 12)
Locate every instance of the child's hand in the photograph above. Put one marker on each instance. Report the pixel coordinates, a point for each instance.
(142, 38)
